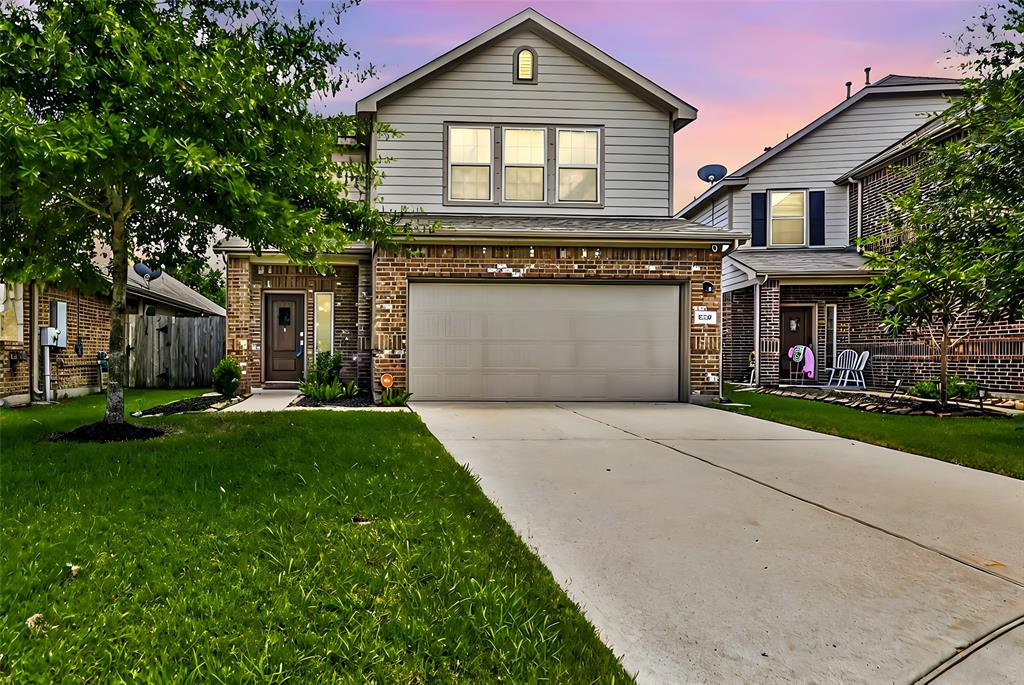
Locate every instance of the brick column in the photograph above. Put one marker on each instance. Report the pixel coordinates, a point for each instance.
(239, 317)
(768, 355)
(364, 313)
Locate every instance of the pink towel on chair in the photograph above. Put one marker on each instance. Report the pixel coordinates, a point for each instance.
(806, 355)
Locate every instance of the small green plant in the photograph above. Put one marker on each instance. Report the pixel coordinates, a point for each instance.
(927, 390)
(958, 389)
(350, 390)
(393, 397)
(322, 392)
(326, 368)
(961, 389)
(227, 376)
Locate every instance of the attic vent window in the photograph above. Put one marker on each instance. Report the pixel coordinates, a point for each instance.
(524, 66)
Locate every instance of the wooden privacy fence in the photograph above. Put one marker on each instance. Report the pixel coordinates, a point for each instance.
(174, 351)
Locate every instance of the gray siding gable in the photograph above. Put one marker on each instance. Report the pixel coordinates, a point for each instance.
(479, 89)
(812, 163)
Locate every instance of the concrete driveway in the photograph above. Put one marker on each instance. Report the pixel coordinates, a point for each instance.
(708, 547)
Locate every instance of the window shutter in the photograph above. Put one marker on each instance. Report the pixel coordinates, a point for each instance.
(817, 217)
(759, 219)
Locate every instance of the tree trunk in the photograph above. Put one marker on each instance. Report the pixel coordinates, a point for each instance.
(944, 369)
(117, 358)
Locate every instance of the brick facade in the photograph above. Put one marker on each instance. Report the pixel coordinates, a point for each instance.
(88, 318)
(392, 272)
(248, 283)
(877, 191)
(994, 354)
(768, 355)
(737, 334)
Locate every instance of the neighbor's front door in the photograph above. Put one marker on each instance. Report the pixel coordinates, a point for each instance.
(797, 329)
(284, 336)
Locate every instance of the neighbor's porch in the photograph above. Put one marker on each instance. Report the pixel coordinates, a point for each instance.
(774, 316)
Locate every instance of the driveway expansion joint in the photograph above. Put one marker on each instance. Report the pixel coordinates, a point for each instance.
(805, 500)
(947, 665)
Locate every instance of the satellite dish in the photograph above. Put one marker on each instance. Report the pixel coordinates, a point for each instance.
(146, 273)
(711, 173)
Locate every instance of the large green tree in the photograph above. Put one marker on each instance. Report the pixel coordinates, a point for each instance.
(133, 126)
(959, 255)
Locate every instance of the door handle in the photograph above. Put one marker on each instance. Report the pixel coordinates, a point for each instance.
(299, 352)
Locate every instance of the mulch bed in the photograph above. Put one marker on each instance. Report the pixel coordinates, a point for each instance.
(108, 432)
(190, 404)
(901, 404)
(362, 400)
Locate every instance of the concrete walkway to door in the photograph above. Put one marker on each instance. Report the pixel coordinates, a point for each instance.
(708, 547)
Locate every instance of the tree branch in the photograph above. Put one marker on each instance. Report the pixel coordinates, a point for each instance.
(86, 205)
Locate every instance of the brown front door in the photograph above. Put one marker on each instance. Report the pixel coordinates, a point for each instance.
(797, 329)
(283, 330)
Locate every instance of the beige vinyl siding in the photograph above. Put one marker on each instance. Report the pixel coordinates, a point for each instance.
(849, 139)
(568, 93)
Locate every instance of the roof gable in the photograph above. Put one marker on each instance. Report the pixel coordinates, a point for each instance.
(529, 19)
(885, 87)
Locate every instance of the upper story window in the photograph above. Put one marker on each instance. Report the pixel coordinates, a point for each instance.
(510, 164)
(470, 154)
(578, 164)
(524, 164)
(788, 217)
(524, 66)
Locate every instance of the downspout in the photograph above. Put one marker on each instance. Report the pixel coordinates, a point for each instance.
(757, 328)
(757, 331)
(721, 333)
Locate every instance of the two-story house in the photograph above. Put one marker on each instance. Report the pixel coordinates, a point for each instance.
(792, 284)
(558, 271)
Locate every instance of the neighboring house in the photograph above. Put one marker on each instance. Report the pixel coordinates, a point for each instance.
(558, 272)
(791, 285)
(993, 354)
(24, 308)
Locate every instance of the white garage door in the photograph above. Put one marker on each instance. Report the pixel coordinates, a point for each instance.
(526, 341)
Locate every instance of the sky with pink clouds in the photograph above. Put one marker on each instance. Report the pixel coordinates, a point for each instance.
(756, 71)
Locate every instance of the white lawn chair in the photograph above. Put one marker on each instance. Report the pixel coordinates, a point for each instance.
(858, 371)
(846, 362)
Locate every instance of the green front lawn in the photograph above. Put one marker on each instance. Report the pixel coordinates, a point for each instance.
(227, 552)
(989, 444)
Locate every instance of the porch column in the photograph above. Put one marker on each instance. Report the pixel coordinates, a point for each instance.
(768, 355)
(239, 318)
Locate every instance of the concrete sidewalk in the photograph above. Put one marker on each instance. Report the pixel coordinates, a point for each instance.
(711, 547)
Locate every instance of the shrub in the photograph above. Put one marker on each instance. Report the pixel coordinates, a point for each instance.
(964, 390)
(322, 392)
(227, 376)
(326, 368)
(928, 390)
(393, 397)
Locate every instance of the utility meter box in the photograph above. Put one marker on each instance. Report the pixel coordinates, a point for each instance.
(59, 322)
(48, 336)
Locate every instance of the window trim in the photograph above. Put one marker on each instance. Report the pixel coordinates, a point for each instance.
(515, 66)
(497, 180)
(598, 166)
(316, 322)
(505, 165)
(769, 242)
(449, 165)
